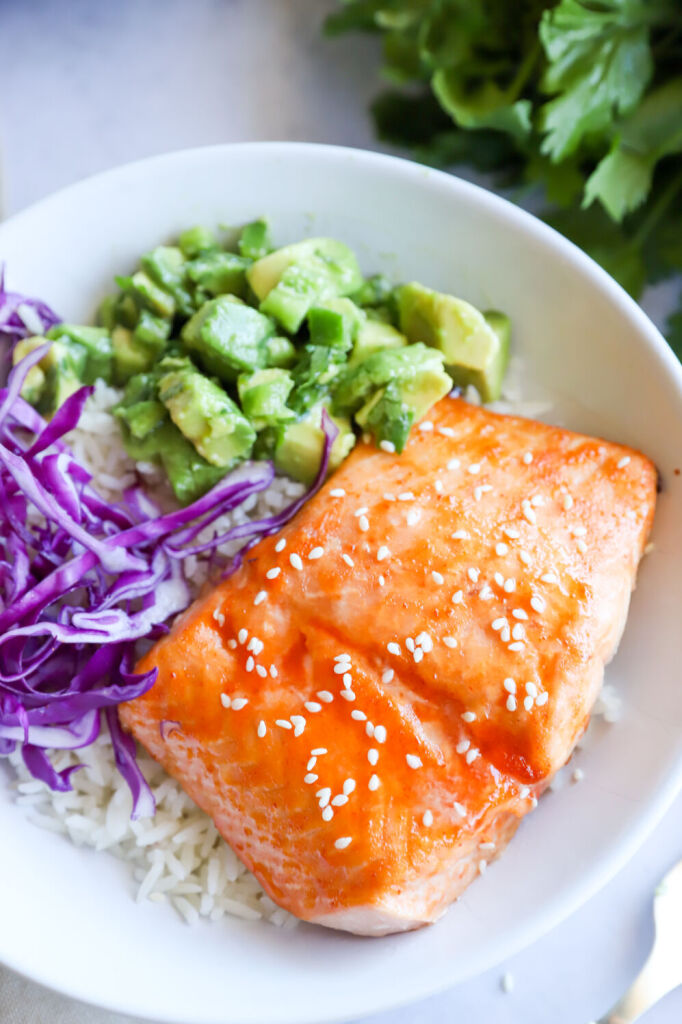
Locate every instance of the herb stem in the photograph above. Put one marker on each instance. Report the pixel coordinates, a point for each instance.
(657, 210)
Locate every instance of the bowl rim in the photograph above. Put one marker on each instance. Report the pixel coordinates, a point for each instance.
(596, 876)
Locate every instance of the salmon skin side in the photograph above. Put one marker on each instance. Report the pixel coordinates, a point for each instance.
(370, 705)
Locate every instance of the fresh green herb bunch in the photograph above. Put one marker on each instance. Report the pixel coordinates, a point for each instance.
(580, 97)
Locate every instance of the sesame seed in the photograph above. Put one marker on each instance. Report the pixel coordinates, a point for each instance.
(450, 641)
(393, 648)
(242, 636)
(445, 431)
(578, 775)
(542, 699)
(225, 700)
(528, 703)
(499, 579)
(458, 597)
(474, 468)
(347, 677)
(472, 755)
(299, 723)
(381, 581)
(250, 663)
(273, 671)
(486, 846)
(418, 655)
(568, 503)
(509, 685)
(348, 560)
(281, 544)
(387, 676)
(295, 561)
(373, 783)
(262, 729)
(516, 646)
(505, 634)
(468, 716)
(463, 746)
(437, 577)
(324, 795)
(260, 597)
(519, 613)
(427, 819)
(255, 645)
(453, 464)
(623, 462)
(528, 458)
(337, 492)
(531, 689)
(312, 706)
(310, 778)
(283, 724)
(581, 546)
(262, 671)
(232, 644)
(409, 643)
(387, 446)
(327, 814)
(525, 558)
(498, 624)
(412, 517)
(438, 486)
(340, 800)
(342, 657)
(311, 764)
(369, 729)
(460, 809)
(510, 532)
(473, 574)
(485, 593)
(340, 667)
(426, 426)
(348, 695)
(579, 531)
(509, 585)
(529, 514)
(388, 496)
(518, 632)
(413, 761)
(343, 842)
(406, 496)
(501, 549)
(316, 553)
(524, 792)
(363, 523)
(482, 867)
(361, 511)
(380, 733)
(272, 574)
(460, 535)
(511, 702)
(383, 553)
(425, 642)
(325, 696)
(549, 577)
(537, 501)
(373, 755)
(319, 751)
(478, 493)
(507, 982)
(348, 787)
(537, 603)
(358, 715)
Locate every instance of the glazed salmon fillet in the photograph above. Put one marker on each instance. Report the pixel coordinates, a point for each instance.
(370, 705)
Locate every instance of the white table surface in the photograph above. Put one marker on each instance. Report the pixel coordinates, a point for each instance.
(88, 85)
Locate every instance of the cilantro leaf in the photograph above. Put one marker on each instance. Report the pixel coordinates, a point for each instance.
(487, 107)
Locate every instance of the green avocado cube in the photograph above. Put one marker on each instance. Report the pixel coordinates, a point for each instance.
(289, 281)
(279, 352)
(205, 413)
(34, 381)
(166, 266)
(476, 351)
(59, 373)
(373, 336)
(219, 273)
(96, 341)
(196, 240)
(387, 416)
(227, 337)
(299, 446)
(374, 291)
(263, 396)
(255, 241)
(189, 474)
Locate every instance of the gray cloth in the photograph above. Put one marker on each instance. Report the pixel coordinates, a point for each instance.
(22, 1002)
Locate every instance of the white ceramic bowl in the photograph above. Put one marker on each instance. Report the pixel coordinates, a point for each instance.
(68, 919)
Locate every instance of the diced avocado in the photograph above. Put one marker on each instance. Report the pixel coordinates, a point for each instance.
(387, 417)
(205, 414)
(413, 367)
(263, 396)
(126, 305)
(255, 241)
(299, 446)
(189, 474)
(313, 373)
(196, 240)
(291, 280)
(280, 352)
(131, 355)
(34, 382)
(96, 343)
(219, 273)
(143, 417)
(153, 331)
(373, 336)
(227, 337)
(106, 312)
(374, 291)
(335, 323)
(144, 292)
(475, 351)
(167, 267)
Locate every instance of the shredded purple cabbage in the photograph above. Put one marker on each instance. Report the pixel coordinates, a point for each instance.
(20, 317)
(82, 581)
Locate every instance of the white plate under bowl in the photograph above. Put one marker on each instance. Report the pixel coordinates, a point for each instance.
(67, 916)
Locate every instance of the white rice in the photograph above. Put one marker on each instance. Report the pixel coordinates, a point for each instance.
(177, 856)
